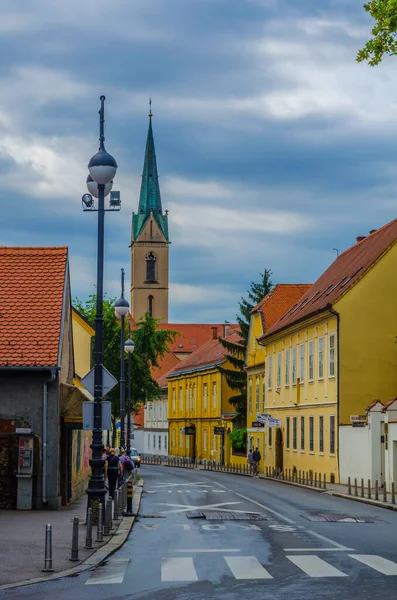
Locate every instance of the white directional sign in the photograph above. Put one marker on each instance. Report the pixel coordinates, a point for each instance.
(261, 417)
(271, 422)
(108, 381)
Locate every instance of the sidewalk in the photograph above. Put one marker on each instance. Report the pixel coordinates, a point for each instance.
(22, 540)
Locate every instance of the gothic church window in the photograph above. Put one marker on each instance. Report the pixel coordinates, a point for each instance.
(151, 268)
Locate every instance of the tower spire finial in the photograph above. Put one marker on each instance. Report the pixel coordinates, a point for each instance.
(150, 108)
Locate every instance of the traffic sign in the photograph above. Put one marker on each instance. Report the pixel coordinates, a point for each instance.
(355, 418)
(189, 430)
(108, 381)
(88, 415)
(258, 424)
(271, 422)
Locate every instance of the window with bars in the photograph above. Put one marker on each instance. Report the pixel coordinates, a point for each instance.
(159, 442)
(311, 360)
(321, 434)
(332, 435)
(311, 434)
(293, 365)
(287, 365)
(302, 363)
(294, 433)
(332, 355)
(288, 431)
(278, 370)
(302, 433)
(269, 372)
(270, 436)
(320, 358)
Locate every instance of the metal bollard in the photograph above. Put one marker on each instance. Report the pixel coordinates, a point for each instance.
(315, 479)
(393, 496)
(48, 550)
(362, 488)
(384, 492)
(376, 490)
(106, 521)
(109, 505)
(116, 505)
(88, 536)
(355, 487)
(349, 486)
(369, 488)
(325, 481)
(74, 555)
(99, 531)
(128, 512)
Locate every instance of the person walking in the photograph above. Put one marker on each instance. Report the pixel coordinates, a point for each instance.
(112, 470)
(256, 455)
(250, 461)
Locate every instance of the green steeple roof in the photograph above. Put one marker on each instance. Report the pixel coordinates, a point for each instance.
(150, 199)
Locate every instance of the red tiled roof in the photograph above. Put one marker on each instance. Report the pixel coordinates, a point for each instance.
(139, 417)
(280, 299)
(168, 361)
(209, 354)
(350, 266)
(32, 280)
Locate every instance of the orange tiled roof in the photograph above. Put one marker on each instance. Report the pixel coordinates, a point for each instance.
(139, 417)
(350, 266)
(32, 280)
(209, 354)
(168, 361)
(280, 299)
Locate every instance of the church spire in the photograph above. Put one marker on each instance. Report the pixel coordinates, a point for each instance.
(150, 198)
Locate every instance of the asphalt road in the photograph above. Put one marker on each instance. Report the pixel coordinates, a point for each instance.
(286, 555)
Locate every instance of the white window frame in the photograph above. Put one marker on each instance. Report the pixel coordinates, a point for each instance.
(287, 365)
(160, 413)
(269, 372)
(321, 358)
(278, 380)
(214, 394)
(311, 360)
(173, 399)
(257, 399)
(321, 434)
(294, 359)
(187, 398)
(302, 363)
(194, 397)
(331, 357)
(205, 440)
(180, 399)
(264, 391)
(205, 396)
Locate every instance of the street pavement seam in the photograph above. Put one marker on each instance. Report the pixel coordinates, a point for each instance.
(112, 545)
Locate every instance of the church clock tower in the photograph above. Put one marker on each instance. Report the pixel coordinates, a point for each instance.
(149, 244)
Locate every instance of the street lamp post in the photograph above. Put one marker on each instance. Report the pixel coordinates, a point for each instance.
(121, 309)
(129, 348)
(102, 168)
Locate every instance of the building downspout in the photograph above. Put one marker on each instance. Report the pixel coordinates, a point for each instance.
(44, 436)
(337, 315)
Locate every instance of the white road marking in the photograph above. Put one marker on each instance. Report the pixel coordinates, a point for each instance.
(187, 507)
(325, 539)
(178, 569)
(248, 527)
(267, 508)
(317, 549)
(383, 565)
(218, 491)
(315, 566)
(198, 483)
(112, 572)
(197, 550)
(246, 567)
(185, 527)
(283, 528)
(214, 527)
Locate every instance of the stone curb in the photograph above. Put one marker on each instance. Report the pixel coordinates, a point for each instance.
(295, 484)
(365, 501)
(117, 540)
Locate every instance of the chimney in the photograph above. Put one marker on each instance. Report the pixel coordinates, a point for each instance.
(226, 329)
(214, 333)
(360, 238)
(372, 231)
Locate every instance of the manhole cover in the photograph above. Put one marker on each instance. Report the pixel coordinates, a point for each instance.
(329, 518)
(224, 516)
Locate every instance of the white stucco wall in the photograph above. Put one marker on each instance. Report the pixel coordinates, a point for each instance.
(354, 453)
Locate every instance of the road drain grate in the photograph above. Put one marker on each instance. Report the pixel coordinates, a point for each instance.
(329, 518)
(224, 516)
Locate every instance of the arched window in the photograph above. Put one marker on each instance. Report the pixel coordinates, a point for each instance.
(150, 306)
(151, 268)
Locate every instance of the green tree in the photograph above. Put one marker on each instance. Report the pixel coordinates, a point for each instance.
(384, 32)
(151, 343)
(236, 377)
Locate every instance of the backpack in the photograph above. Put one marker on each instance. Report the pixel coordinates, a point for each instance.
(128, 466)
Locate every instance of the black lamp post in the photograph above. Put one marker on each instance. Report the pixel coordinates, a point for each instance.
(121, 309)
(102, 168)
(129, 348)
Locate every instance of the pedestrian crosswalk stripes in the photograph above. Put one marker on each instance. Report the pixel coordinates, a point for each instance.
(383, 565)
(187, 569)
(178, 569)
(246, 567)
(315, 566)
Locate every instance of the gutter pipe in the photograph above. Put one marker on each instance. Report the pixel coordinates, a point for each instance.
(337, 315)
(44, 436)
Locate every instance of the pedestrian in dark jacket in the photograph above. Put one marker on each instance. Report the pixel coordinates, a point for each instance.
(256, 455)
(114, 469)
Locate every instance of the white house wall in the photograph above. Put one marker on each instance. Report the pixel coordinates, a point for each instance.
(354, 453)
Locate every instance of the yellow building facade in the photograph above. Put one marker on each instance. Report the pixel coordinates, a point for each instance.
(198, 399)
(328, 357)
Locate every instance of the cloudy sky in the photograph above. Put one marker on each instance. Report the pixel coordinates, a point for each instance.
(273, 145)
